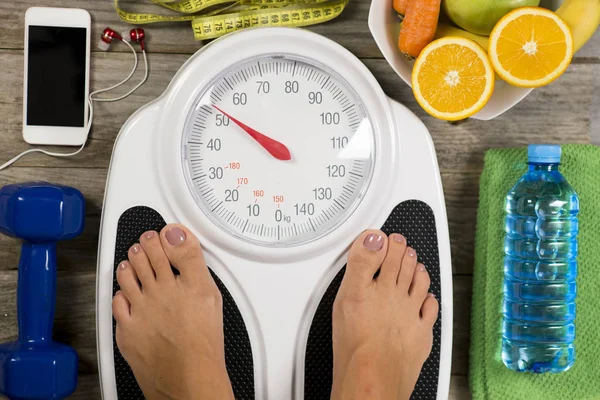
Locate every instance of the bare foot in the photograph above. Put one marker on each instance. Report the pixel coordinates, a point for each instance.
(170, 329)
(382, 327)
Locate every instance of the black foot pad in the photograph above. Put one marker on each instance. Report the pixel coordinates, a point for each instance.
(416, 221)
(238, 352)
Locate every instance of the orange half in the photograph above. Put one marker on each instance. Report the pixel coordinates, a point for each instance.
(452, 78)
(531, 47)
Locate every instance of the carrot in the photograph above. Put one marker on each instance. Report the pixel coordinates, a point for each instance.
(419, 25)
(401, 5)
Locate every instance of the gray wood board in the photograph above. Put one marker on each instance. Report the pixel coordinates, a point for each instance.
(75, 321)
(559, 113)
(567, 111)
(349, 29)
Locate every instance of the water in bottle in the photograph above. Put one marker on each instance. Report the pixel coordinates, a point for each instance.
(540, 267)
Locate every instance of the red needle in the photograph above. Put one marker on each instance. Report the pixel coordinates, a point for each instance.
(275, 148)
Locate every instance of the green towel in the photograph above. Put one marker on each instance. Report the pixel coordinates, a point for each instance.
(489, 378)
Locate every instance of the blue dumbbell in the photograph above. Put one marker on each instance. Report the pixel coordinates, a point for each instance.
(35, 367)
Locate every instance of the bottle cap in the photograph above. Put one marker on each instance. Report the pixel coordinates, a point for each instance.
(544, 153)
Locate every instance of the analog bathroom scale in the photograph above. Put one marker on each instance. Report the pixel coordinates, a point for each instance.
(276, 147)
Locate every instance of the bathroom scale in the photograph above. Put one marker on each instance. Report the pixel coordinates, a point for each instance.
(277, 148)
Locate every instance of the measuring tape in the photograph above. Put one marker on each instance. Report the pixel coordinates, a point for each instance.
(226, 16)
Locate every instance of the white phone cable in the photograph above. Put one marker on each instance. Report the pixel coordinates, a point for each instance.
(90, 101)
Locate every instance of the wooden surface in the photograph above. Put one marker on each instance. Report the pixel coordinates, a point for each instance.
(567, 111)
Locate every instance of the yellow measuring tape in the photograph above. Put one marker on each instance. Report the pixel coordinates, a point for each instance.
(214, 18)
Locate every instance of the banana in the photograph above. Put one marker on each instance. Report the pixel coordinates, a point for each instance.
(583, 17)
(444, 30)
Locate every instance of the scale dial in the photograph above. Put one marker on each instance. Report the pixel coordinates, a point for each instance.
(278, 150)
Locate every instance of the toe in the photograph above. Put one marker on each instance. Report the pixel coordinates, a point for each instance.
(407, 269)
(420, 284)
(430, 309)
(150, 242)
(139, 260)
(128, 281)
(393, 259)
(365, 258)
(184, 251)
(121, 308)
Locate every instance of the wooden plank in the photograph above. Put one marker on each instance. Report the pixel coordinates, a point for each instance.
(558, 113)
(591, 50)
(350, 29)
(76, 303)
(565, 111)
(75, 316)
(595, 125)
(461, 192)
(90, 181)
(178, 37)
(107, 69)
(459, 388)
(96, 154)
(74, 319)
(73, 255)
(461, 326)
(88, 388)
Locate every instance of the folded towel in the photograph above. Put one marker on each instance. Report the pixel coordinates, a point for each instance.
(489, 378)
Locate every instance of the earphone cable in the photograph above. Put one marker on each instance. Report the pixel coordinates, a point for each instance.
(90, 100)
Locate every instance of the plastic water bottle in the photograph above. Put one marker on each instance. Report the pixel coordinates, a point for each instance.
(540, 267)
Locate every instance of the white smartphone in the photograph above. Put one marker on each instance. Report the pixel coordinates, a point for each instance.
(56, 79)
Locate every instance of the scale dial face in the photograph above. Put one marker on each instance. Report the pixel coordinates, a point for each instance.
(278, 151)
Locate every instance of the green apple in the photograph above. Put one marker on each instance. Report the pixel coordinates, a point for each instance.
(480, 16)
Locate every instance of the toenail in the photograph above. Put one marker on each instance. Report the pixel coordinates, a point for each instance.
(421, 268)
(431, 295)
(149, 234)
(373, 242)
(399, 238)
(135, 248)
(411, 253)
(122, 265)
(175, 236)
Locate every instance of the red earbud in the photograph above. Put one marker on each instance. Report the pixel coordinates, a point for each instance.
(107, 37)
(135, 35)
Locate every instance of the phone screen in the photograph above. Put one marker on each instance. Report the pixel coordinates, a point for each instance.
(56, 76)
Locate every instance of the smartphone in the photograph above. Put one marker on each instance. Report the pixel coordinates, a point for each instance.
(56, 79)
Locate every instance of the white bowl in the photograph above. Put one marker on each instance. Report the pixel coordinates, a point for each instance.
(385, 28)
